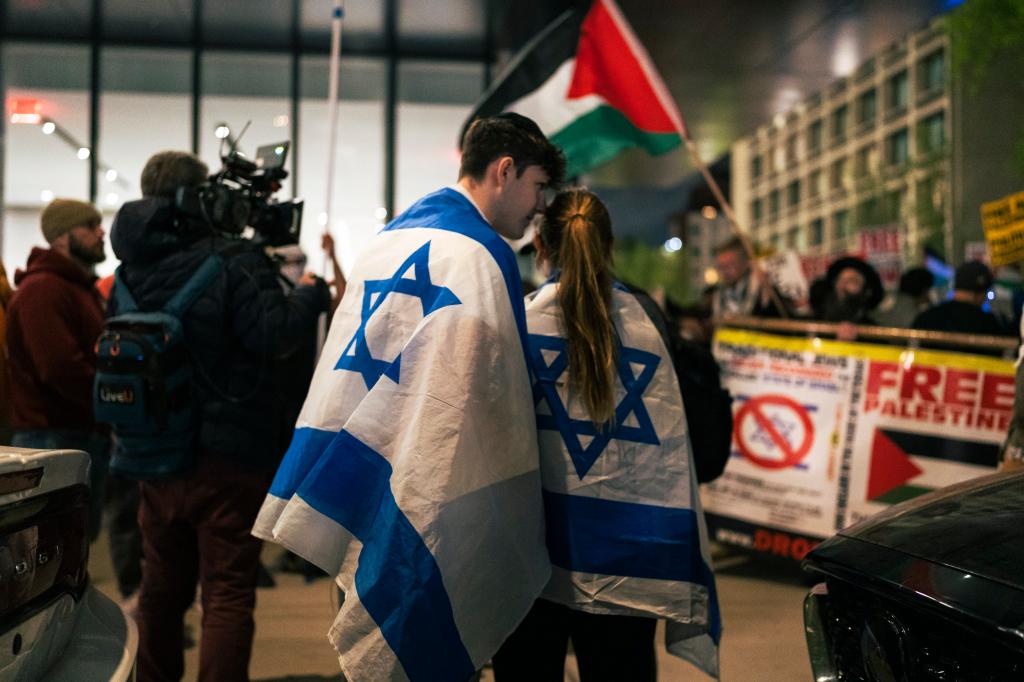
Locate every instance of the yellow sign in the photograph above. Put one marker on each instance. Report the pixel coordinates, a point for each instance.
(1003, 221)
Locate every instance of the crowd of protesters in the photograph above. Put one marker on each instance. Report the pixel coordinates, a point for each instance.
(850, 294)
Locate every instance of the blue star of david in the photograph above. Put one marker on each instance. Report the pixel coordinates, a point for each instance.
(784, 429)
(356, 357)
(572, 429)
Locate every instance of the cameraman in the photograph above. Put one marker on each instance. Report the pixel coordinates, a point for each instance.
(195, 524)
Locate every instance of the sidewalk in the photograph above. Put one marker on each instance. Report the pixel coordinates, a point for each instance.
(761, 603)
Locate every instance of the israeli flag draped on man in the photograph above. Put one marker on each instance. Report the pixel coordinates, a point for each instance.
(625, 528)
(413, 472)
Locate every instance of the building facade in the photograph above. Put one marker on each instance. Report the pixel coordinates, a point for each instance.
(898, 146)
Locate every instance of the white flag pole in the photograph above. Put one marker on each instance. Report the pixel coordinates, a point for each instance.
(744, 238)
(332, 110)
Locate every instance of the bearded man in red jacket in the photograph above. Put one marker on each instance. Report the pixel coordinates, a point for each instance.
(53, 321)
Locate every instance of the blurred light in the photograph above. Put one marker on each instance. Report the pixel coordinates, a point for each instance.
(111, 175)
(112, 198)
(83, 153)
(380, 213)
(279, 149)
(673, 244)
(46, 195)
(846, 57)
(785, 99)
(709, 212)
(280, 121)
(25, 110)
(991, 295)
(221, 131)
(322, 219)
(710, 277)
(49, 127)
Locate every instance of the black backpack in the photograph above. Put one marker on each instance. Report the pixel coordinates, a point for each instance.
(143, 386)
(708, 406)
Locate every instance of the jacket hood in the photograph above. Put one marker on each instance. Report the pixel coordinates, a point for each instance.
(49, 261)
(145, 230)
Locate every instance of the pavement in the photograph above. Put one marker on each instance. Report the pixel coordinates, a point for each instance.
(761, 603)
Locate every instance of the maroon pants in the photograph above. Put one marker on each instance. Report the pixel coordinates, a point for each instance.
(196, 528)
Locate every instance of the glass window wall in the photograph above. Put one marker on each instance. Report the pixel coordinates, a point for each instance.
(46, 154)
(435, 98)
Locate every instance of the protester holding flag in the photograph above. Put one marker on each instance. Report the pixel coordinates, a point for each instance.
(413, 473)
(625, 531)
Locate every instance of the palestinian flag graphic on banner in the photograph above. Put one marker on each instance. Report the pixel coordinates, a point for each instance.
(591, 87)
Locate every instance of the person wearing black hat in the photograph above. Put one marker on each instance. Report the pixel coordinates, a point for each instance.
(853, 291)
(963, 312)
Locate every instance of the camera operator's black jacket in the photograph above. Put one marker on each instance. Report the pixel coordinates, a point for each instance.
(233, 331)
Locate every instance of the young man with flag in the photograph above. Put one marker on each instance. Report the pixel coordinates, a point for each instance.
(413, 473)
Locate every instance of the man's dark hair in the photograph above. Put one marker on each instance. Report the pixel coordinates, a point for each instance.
(165, 172)
(509, 134)
(916, 281)
(732, 244)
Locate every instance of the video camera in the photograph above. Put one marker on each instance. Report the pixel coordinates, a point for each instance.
(239, 196)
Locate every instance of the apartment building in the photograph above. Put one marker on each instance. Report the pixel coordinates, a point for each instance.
(898, 145)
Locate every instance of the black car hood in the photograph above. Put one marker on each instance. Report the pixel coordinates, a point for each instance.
(976, 527)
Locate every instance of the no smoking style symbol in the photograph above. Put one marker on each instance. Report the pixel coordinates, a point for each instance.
(356, 356)
(775, 430)
(571, 429)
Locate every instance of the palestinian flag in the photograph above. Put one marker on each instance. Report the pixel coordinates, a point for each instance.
(591, 87)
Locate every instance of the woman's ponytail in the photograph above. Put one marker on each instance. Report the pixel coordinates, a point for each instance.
(577, 233)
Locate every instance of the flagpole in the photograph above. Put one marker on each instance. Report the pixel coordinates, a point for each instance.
(332, 110)
(716, 190)
(675, 115)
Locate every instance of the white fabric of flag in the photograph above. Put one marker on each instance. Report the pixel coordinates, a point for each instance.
(413, 473)
(625, 530)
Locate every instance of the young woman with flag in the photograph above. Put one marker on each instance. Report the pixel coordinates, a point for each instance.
(624, 527)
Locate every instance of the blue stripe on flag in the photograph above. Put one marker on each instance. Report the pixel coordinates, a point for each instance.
(306, 447)
(609, 537)
(449, 210)
(398, 580)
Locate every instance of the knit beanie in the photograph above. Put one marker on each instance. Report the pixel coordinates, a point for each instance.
(63, 215)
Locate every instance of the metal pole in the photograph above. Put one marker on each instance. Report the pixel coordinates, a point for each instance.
(390, 104)
(332, 107)
(489, 20)
(197, 73)
(296, 94)
(94, 99)
(3, 139)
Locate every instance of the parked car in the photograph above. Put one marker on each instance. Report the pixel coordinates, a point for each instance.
(932, 589)
(54, 625)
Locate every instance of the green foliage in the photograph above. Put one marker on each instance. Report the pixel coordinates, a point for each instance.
(984, 32)
(653, 268)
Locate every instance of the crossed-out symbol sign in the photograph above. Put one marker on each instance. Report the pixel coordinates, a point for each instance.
(763, 434)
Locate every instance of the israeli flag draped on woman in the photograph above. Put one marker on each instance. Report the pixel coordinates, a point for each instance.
(413, 473)
(625, 529)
